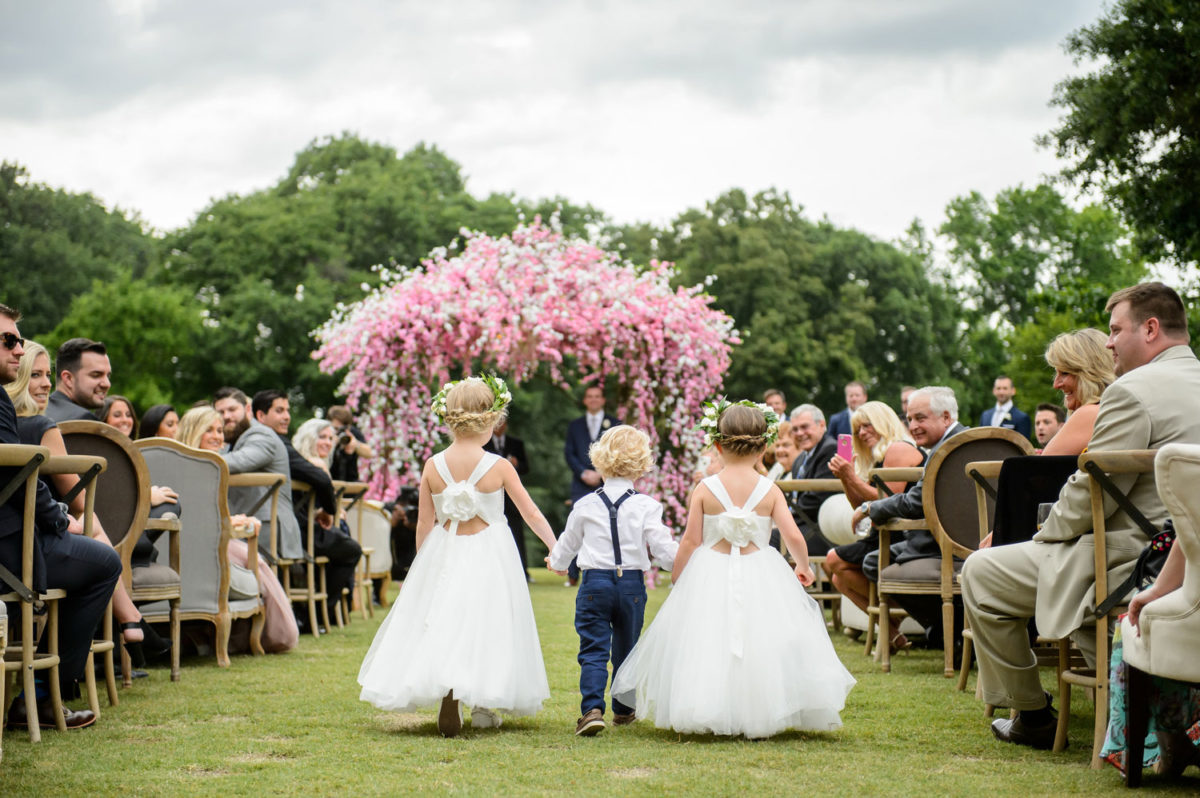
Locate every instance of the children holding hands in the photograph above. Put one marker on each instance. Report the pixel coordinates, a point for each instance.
(611, 530)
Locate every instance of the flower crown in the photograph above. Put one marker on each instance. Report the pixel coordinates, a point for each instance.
(497, 386)
(712, 417)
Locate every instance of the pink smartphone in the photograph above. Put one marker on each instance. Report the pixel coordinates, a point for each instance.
(845, 447)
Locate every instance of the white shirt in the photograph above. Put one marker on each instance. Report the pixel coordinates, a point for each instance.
(639, 527)
(594, 420)
(1002, 413)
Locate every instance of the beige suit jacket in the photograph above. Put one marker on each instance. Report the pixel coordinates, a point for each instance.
(1146, 408)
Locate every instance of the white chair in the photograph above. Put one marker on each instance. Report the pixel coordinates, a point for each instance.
(1169, 626)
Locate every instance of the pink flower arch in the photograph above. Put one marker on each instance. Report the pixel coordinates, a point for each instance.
(513, 305)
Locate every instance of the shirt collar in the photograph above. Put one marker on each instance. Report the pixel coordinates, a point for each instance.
(615, 486)
(1005, 408)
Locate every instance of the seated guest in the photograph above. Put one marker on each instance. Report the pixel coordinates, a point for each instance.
(932, 419)
(330, 538)
(30, 392)
(880, 441)
(160, 421)
(83, 380)
(1154, 401)
(816, 449)
(117, 411)
(64, 559)
(1047, 421)
(785, 452)
(839, 423)
(202, 428)
(774, 399)
(252, 447)
(1083, 368)
(314, 440)
(350, 445)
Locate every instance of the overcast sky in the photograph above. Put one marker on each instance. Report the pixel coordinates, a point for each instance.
(871, 112)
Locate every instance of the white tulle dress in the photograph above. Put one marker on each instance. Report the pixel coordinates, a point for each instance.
(739, 647)
(463, 620)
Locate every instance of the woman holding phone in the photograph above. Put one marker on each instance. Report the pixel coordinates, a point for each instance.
(879, 440)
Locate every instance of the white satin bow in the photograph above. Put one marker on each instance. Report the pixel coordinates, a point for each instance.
(460, 502)
(738, 527)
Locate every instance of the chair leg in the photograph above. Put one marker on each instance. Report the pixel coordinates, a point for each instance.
(964, 670)
(89, 680)
(885, 634)
(175, 636)
(1064, 697)
(256, 630)
(126, 667)
(56, 702)
(224, 627)
(948, 638)
(384, 601)
(1137, 717)
(110, 678)
(872, 618)
(1100, 726)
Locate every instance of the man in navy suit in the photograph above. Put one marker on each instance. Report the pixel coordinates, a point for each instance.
(839, 423)
(581, 433)
(1005, 413)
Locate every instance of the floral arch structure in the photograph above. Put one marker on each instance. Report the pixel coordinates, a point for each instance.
(513, 305)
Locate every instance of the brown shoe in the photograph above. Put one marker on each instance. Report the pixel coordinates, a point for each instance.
(19, 719)
(591, 724)
(449, 717)
(623, 720)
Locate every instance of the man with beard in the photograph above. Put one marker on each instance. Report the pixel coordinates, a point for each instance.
(256, 447)
(63, 558)
(83, 380)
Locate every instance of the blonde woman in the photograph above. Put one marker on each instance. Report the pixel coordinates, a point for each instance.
(30, 393)
(314, 441)
(1083, 368)
(880, 441)
(202, 428)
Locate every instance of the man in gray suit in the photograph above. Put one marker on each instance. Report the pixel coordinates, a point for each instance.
(1154, 401)
(82, 379)
(932, 420)
(256, 447)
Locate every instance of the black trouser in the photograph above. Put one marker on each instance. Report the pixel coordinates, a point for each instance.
(88, 571)
(344, 553)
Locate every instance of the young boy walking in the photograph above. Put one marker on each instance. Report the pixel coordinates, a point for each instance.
(611, 530)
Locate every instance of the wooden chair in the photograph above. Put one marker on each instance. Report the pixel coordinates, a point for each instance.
(314, 590)
(19, 590)
(123, 506)
(201, 479)
(351, 498)
(3, 673)
(822, 590)
(1100, 467)
(1168, 633)
(950, 516)
(372, 528)
(87, 469)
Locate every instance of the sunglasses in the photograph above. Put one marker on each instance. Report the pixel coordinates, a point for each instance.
(11, 340)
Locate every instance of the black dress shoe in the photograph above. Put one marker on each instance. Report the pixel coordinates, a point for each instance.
(19, 719)
(1019, 733)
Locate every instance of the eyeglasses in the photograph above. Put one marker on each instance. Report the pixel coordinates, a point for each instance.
(11, 340)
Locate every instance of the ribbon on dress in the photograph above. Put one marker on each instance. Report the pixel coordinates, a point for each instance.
(737, 527)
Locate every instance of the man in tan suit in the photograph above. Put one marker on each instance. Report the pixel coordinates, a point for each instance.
(1155, 401)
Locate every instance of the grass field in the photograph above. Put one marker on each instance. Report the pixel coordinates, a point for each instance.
(292, 724)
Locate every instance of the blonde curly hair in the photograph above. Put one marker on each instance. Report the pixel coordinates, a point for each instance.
(622, 451)
(469, 408)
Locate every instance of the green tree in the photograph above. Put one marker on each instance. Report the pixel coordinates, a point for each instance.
(1132, 123)
(155, 336)
(58, 243)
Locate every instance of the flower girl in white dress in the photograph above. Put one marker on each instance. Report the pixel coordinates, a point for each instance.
(462, 629)
(738, 647)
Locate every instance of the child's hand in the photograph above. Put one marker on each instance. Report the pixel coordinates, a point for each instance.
(551, 570)
(804, 573)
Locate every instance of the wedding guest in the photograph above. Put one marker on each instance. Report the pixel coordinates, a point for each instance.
(1083, 369)
(117, 411)
(1005, 413)
(1047, 421)
(203, 428)
(160, 421)
(880, 441)
(774, 399)
(581, 434)
(839, 422)
(612, 548)
(785, 453)
(351, 444)
(83, 379)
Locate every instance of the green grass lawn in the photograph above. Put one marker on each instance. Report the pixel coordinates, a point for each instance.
(292, 724)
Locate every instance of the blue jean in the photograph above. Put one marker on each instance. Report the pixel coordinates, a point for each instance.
(608, 617)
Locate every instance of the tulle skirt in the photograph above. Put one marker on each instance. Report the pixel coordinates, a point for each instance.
(738, 648)
(463, 622)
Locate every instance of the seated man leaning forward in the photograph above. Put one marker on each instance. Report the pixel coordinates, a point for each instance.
(932, 419)
(1154, 401)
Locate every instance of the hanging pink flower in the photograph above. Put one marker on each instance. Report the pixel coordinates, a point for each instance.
(514, 304)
